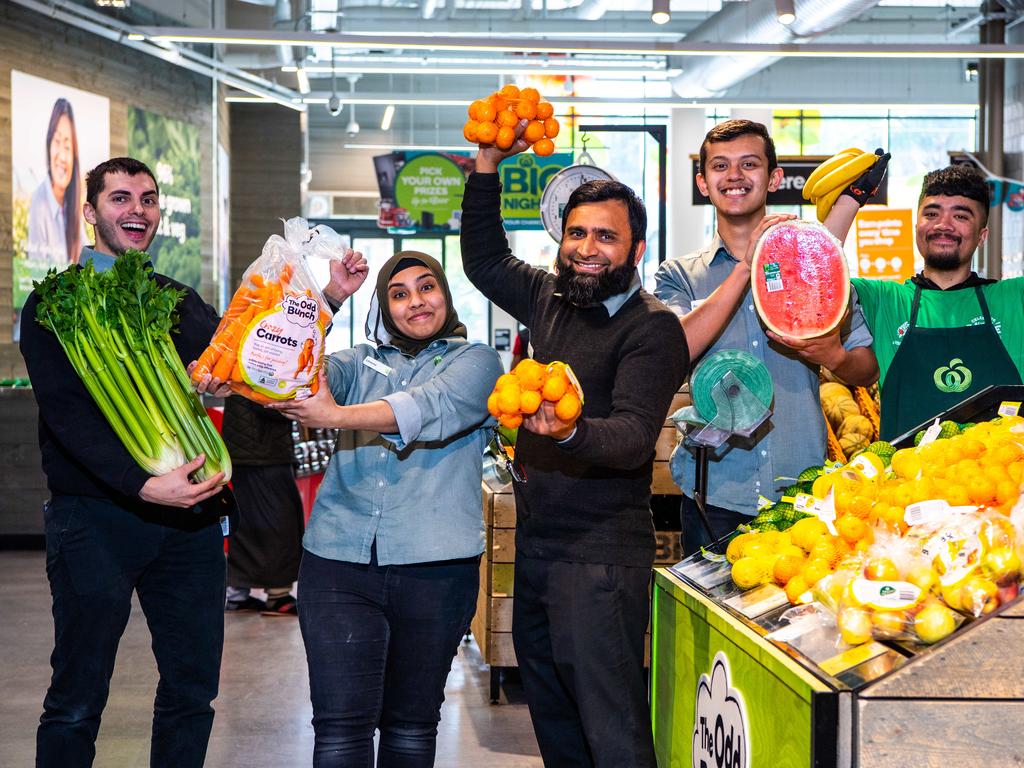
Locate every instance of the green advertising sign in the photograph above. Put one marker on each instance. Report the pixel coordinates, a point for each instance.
(430, 187)
(171, 149)
(721, 697)
(523, 178)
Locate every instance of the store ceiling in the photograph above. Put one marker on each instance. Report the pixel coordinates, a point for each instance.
(433, 40)
(430, 57)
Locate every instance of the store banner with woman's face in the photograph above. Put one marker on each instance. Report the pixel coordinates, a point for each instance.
(171, 149)
(57, 134)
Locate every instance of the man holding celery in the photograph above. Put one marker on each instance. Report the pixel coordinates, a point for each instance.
(113, 529)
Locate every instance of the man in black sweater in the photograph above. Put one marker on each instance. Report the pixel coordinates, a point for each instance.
(111, 528)
(584, 538)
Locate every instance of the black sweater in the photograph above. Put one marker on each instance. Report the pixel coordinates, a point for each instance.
(82, 456)
(588, 499)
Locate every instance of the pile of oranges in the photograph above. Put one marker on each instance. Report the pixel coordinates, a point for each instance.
(493, 120)
(530, 384)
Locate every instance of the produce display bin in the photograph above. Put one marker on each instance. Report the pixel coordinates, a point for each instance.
(734, 684)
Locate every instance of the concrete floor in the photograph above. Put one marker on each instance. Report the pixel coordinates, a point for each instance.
(263, 711)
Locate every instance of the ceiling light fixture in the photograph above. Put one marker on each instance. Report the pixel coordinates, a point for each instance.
(303, 77)
(594, 48)
(785, 11)
(661, 12)
(389, 114)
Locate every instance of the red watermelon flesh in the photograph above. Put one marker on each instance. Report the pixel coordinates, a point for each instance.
(799, 279)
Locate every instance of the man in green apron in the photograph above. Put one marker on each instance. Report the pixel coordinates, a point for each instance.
(945, 333)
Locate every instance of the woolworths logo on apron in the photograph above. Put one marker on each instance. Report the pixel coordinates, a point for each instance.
(955, 377)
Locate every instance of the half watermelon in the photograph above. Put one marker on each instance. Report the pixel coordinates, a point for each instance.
(799, 279)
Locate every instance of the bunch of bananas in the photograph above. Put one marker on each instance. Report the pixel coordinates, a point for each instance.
(824, 186)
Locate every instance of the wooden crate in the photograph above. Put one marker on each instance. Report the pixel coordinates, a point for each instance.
(958, 704)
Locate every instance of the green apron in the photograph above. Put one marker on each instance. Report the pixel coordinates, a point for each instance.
(936, 368)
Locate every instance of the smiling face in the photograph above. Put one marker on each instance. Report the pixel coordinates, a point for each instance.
(950, 228)
(126, 214)
(736, 177)
(62, 157)
(417, 303)
(597, 257)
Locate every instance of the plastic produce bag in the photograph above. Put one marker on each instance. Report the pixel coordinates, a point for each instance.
(269, 345)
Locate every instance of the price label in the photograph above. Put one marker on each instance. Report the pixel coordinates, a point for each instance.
(1009, 408)
(804, 502)
(869, 470)
(886, 595)
(763, 503)
(825, 510)
(932, 511)
(773, 277)
(930, 434)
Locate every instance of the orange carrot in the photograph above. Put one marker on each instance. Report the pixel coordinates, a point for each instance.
(222, 370)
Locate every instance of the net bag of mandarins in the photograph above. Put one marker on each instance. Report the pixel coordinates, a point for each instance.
(493, 120)
(530, 384)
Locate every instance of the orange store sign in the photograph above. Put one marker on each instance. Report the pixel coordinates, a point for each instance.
(885, 243)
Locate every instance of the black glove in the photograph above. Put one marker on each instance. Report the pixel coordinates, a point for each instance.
(866, 185)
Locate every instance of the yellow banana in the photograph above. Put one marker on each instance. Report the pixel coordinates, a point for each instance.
(827, 167)
(844, 174)
(824, 204)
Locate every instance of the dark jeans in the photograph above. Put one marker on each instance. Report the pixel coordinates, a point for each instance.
(97, 554)
(578, 630)
(694, 534)
(379, 643)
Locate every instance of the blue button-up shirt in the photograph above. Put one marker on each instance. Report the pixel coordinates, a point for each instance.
(793, 438)
(416, 492)
(101, 262)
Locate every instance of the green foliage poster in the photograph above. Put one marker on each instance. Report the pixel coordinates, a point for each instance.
(171, 149)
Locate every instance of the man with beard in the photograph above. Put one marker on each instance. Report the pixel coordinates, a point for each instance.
(584, 538)
(710, 291)
(945, 333)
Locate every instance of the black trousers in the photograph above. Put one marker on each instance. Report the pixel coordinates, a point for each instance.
(695, 535)
(380, 640)
(578, 630)
(97, 555)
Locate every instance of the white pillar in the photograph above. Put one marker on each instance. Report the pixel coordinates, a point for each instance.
(685, 225)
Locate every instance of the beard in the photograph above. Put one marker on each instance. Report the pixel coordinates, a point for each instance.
(942, 262)
(584, 290)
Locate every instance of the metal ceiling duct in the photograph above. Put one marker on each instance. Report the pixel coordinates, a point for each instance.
(756, 22)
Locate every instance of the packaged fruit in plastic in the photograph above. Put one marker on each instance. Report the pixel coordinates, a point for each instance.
(530, 384)
(493, 120)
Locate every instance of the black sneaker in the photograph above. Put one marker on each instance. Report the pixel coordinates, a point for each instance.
(283, 606)
(249, 604)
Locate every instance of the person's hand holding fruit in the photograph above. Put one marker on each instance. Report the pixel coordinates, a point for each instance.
(508, 122)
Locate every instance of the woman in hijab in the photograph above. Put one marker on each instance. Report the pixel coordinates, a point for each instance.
(390, 571)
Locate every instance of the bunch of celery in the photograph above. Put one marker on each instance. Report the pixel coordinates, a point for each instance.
(115, 328)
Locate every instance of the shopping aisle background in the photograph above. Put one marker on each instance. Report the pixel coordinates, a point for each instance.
(263, 711)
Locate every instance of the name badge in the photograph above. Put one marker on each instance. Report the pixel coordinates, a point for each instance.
(694, 303)
(378, 366)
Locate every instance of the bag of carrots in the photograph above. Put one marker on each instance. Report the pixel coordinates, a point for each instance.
(269, 345)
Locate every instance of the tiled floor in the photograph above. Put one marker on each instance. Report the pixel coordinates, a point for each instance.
(263, 711)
